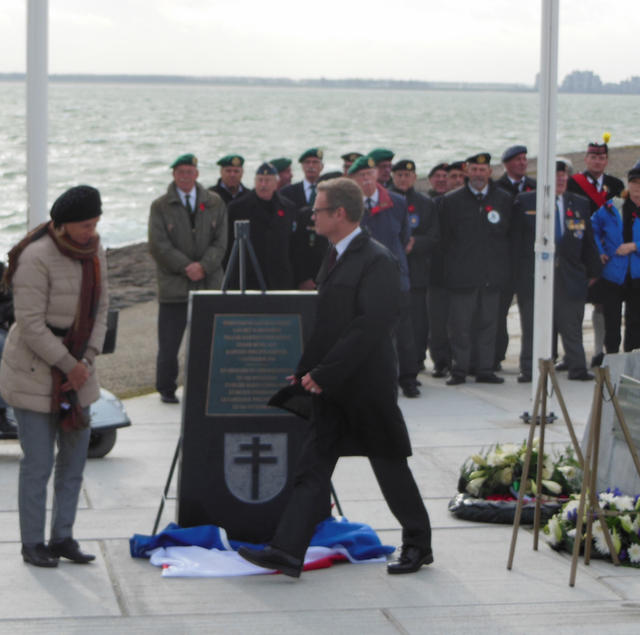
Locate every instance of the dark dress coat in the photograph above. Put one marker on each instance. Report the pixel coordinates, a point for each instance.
(295, 193)
(611, 186)
(351, 356)
(270, 232)
(475, 237)
(424, 226)
(224, 193)
(505, 183)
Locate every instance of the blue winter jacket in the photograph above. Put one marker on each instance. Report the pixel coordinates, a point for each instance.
(607, 231)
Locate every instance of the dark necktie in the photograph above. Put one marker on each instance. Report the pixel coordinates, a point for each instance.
(333, 257)
(312, 195)
(480, 196)
(187, 203)
(369, 204)
(558, 223)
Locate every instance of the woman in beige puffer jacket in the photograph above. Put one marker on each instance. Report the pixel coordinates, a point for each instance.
(58, 273)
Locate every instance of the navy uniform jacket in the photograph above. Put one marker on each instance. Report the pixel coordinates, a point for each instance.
(475, 236)
(270, 232)
(423, 222)
(504, 183)
(388, 223)
(577, 257)
(224, 193)
(611, 185)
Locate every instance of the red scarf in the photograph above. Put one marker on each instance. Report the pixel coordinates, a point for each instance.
(65, 403)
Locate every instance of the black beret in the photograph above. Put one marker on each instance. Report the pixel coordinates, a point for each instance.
(267, 169)
(351, 156)
(483, 158)
(457, 165)
(404, 164)
(327, 176)
(513, 151)
(231, 161)
(435, 168)
(634, 172)
(79, 203)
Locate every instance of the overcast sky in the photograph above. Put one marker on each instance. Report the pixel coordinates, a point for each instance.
(461, 40)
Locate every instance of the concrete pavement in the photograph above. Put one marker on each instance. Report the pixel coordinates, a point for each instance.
(468, 588)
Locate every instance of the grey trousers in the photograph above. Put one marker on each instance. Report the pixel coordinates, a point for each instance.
(38, 433)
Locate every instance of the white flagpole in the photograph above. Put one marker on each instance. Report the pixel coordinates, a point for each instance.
(37, 85)
(545, 194)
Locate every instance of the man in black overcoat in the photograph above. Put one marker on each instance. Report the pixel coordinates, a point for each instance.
(475, 222)
(272, 220)
(349, 369)
(576, 264)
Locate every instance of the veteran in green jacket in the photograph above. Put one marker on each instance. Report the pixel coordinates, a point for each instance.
(188, 240)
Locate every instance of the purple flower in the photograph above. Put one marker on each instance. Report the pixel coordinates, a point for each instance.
(623, 554)
(572, 516)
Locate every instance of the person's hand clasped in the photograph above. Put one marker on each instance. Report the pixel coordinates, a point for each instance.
(310, 385)
(625, 249)
(194, 271)
(76, 377)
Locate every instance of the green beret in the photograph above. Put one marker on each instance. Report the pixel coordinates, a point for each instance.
(185, 159)
(483, 158)
(267, 169)
(381, 154)
(311, 153)
(405, 164)
(280, 164)
(231, 161)
(351, 156)
(361, 163)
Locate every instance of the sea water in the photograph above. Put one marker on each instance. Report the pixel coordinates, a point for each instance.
(121, 138)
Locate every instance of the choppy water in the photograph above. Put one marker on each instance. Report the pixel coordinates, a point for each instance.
(122, 137)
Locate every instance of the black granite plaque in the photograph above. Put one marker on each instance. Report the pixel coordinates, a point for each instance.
(238, 454)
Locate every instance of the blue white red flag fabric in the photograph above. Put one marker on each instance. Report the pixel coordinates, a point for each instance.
(206, 551)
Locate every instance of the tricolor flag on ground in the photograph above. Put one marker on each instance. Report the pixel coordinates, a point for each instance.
(206, 551)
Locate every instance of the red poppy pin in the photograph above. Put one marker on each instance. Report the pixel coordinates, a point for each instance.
(412, 208)
(376, 209)
(280, 212)
(569, 212)
(487, 208)
(202, 207)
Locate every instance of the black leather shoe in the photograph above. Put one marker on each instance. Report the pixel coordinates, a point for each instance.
(38, 555)
(70, 549)
(410, 390)
(272, 558)
(583, 376)
(489, 378)
(410, 560)
(8, 430)
(562, 366)
(168, 397)
(440, 371)
(524, 378)
(596, 360)
(455, 380)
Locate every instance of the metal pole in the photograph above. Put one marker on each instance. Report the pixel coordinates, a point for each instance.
(545, 195)
(37, 79)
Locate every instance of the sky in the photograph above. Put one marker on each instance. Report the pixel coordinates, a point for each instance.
(463, 40)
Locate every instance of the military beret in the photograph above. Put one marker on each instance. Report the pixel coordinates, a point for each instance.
(361, 163)
(513, 151)
(267, 169)
(597, 148)
(327, 176)
(351, 156)
(311, 153)
(483, 158)
(563, 165)
(435, 168)
(280, 164)
(381, 154)
(404, 164)
(231, 160)
(456, 165)
(185, 159)
(76, 204)
(634, 172)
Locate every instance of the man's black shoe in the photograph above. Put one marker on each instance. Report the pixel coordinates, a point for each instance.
(455, 380)
(596, 360)
(562, 366)
(272, 558)
(440, 371)
(38, 555)
(583, 376)
(70, 549)
(168, 397)
(410, 560)
(524, 378)
(8, 430)
(410, 390)
(489, 378)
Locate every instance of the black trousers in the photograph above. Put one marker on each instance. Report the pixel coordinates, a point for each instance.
(502, 334)
(307, 505)
(473, 311)
(613, 295)
(420, 322)
(405, 343)
(438, 312)
(568, 314)
(172, 321)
